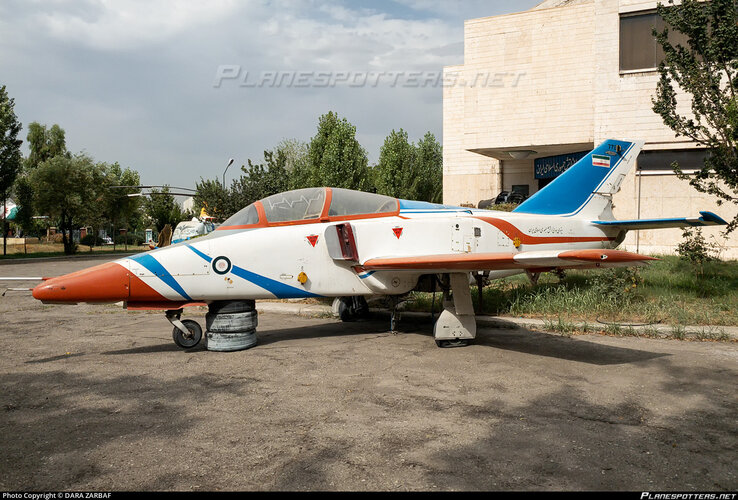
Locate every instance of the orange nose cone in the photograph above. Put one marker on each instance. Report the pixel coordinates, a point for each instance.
(109, 282)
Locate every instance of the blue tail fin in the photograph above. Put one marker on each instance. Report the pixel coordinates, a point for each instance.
(586, 188)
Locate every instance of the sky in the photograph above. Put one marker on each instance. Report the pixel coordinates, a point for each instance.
(175, 89)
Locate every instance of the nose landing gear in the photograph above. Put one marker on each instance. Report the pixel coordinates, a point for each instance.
(187, 333)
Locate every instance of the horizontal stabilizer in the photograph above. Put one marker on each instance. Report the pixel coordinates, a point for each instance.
(706, 219)
(545, 259)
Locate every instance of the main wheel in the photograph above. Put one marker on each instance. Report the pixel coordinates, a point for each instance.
(452, 343)
(352, 308)
(345, 309)
(187, 341)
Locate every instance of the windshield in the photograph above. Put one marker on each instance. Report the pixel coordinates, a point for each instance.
(244, 217)
(295, 205)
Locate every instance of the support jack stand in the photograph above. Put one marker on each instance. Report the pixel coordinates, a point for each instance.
(456, 325)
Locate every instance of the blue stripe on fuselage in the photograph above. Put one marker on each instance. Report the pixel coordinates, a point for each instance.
(280, 290)
(160, 272)
(201, 254)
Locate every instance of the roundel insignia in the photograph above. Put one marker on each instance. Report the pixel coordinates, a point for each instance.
(221, 265)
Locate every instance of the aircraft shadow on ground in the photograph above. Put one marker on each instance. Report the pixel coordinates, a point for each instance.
(518, 340)
(50, 415)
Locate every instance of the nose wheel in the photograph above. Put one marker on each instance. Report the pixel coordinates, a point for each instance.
(187, 333)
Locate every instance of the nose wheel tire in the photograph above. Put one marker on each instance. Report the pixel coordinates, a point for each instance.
(190, 340)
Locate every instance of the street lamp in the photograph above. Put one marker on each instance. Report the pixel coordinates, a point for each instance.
(230, 162)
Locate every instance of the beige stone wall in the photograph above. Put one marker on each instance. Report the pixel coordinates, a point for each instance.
(557, 81)
(663, 196)
(539, 64)
(467, 177)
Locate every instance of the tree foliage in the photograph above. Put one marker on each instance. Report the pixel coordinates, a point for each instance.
(409, 171)
(258, 181)
(395, 173)
(429, 160)
(707, 71)
(10, 154)
(335, 157)
(65, 190)
(161, 208)
(44, 143)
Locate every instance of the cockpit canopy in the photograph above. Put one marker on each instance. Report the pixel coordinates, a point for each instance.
(309, 205)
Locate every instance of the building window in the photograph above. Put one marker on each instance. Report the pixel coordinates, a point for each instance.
(688, 159)
(639, 49)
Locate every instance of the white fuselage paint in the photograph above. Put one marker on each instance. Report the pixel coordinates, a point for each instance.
(267, 262)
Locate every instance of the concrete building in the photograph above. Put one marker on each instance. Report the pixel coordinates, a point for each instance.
(538, 88)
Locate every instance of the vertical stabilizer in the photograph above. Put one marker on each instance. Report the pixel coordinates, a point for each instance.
(586, 188)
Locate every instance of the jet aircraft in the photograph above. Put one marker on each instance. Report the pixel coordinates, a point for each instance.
(330, 242)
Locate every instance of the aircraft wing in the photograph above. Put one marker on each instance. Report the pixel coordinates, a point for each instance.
(705, 219)
(534, 260)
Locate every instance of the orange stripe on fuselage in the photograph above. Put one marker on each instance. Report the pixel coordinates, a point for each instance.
(513, 232)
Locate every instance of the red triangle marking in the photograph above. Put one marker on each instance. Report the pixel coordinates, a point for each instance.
(313, 239)
(397, 231)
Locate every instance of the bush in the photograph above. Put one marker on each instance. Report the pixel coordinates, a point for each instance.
(129, 239)
(694, 247)
(91, 240)
(619, 284)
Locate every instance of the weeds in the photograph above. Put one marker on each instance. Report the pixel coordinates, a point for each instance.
(561, 326)
(668, 291)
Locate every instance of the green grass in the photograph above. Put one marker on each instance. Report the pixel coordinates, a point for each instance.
(669, 291)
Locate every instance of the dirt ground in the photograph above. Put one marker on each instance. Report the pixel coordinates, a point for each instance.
(98, 398)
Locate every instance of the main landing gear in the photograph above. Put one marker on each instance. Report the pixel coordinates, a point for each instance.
(456, 325)
(351, 308)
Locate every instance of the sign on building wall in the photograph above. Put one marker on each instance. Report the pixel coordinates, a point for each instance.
(553, 166)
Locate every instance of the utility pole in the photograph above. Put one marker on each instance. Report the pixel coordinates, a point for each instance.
(5, 224)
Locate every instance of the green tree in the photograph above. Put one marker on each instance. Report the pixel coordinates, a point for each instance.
(119, 208)
(259, 181)
(262, 180)
(707, 71)
(296, 161)
(410, 171)
(335, 157)
(161, 209)
(214, 198)
(396, 174)
(429, 170)
(24, 200)
(64, 190)
(10, 155)
(44, 143)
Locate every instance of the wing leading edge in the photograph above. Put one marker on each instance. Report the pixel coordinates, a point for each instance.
(500, 261)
